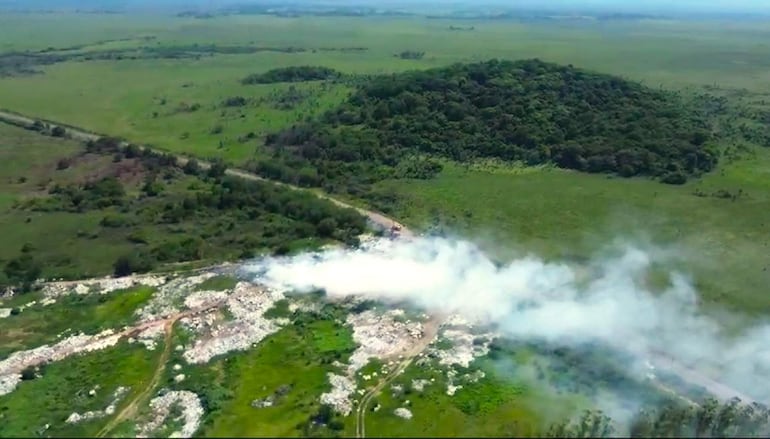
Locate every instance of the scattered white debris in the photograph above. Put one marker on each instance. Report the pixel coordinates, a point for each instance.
(20, 360)
(380, 336)
(76, 417)
(451, 389)
(92, 392)
(339, 397)
(419, 385)
(179, 378)
(263, 403)
(9, 382)
(377, 336)
(377, 408)
(27, 305)
(457, 320)
(101, 285)
(475, 376)
(170, 297)
(402, 412)
(247, 304)
(149, 336)
(192, 412)
(5, 312)
(48, 301)
(465, 347)
(337, 364)
(177, 367)
(201, 299)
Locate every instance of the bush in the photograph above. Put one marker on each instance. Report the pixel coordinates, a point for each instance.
(63, 164)
(135, 262)
(114, 221)
(28, 374)
(192, 167)
(235, 101)
(676, 177)
(58, 131)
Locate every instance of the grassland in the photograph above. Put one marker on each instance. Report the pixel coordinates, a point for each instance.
(28, 164)
(120, 97)
(298, 356)
(723, 243)
(217, 283)
(63, 388)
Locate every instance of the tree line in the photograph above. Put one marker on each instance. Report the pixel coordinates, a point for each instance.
(292, 74)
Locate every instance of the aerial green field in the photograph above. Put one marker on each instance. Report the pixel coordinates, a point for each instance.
(176, 84)
(720, 241)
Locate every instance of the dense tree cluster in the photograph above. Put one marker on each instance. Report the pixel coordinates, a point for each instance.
(284, 215)
(292, 74)
(21, 271)
(529, 110)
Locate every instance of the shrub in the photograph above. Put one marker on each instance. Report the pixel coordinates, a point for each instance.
(135, 262)
(58, 131)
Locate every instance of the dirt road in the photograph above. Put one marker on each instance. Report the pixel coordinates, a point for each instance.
(133, 405)
(83, 135)
(429, 333)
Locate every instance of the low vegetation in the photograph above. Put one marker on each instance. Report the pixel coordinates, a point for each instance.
(147, 211)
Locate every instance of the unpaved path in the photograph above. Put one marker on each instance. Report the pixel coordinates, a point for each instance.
(430, 330)
(84, 135)
(129, 411)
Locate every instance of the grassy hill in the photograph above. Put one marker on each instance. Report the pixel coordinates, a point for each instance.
(528, 111)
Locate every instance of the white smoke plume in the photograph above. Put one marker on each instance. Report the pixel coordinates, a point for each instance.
(532, 299)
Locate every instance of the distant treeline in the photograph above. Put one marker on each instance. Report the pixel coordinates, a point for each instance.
(18, 63)
(530, 111)
(292, 74)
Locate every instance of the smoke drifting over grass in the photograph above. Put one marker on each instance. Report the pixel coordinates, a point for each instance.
(531, 299)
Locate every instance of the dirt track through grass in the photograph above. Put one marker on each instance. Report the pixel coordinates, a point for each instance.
(431, 329)
(83, 135)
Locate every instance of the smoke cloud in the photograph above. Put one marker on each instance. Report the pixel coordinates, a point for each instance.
(529, 298)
